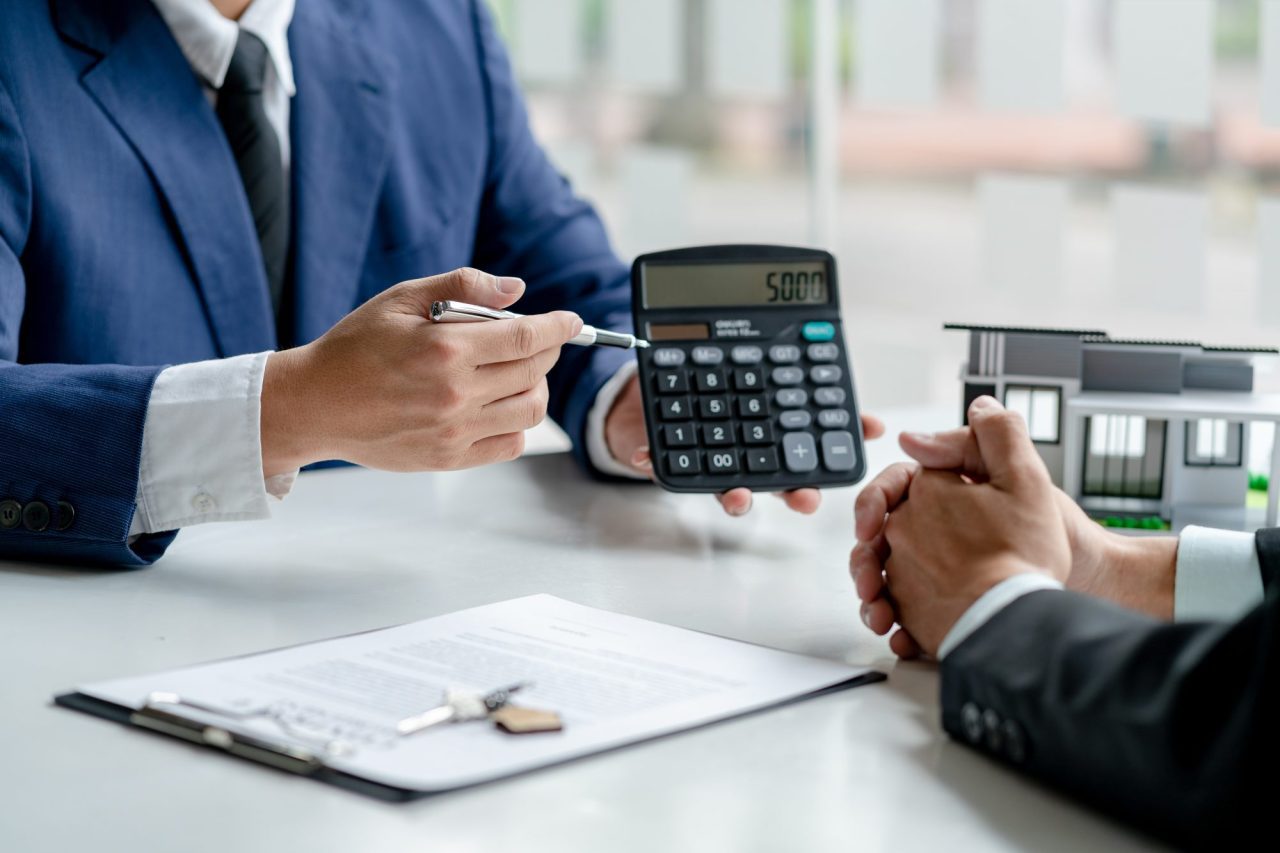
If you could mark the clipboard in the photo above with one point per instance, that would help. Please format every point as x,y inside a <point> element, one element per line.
<point>198,722</point>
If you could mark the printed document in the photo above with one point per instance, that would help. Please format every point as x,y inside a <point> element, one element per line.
<point>612,679</point>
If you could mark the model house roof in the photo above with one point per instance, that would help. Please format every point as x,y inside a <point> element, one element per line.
<point>1025,330</point>
<point>1097,336</point>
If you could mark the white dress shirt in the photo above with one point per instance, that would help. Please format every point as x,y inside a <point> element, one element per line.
<point>1218,577</point>
<point>201,442</point>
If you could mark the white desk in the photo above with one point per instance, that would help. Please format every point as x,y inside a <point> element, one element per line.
<point>867,769</point>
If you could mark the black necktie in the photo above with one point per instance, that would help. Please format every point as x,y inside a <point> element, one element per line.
<point>257,151</point>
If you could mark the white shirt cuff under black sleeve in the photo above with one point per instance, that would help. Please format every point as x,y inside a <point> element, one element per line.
<point>202,447</point>
<point>992,602</point>
<point>1218,575</point>
<point>597,447</point>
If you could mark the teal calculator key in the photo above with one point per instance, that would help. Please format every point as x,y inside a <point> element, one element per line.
<point>818,331</point>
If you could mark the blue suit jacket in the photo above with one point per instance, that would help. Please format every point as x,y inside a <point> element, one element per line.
<point>126,242</point>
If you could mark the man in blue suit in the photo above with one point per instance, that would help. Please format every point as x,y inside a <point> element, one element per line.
<point>203,207</point>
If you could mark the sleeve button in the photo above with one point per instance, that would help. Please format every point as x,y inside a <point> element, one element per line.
<point>35,516</point>
<point>995,737</point>
<point>10,514</point>
<point>1015,743</point>
<point>971,719</point>
<point>204,502</point>
<point>66,516</point>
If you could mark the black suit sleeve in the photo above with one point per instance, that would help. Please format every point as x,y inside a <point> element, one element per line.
<point>1169,727</point>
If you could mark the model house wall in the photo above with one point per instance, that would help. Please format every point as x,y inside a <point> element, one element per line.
<point>1100,413</point>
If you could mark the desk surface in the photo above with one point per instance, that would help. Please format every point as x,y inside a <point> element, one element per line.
<point>351,550</point>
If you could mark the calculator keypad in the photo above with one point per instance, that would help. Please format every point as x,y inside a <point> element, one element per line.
<point>752,409</point>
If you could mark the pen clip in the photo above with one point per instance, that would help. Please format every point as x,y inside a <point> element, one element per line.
<point>452,311</point>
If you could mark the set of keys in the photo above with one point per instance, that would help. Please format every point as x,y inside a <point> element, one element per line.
<point>462,706</point>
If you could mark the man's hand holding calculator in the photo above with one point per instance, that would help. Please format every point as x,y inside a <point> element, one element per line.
<point>746,384</point>
<point>628,442</point>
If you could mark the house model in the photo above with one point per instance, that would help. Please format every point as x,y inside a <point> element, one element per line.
<point>1151,434</point>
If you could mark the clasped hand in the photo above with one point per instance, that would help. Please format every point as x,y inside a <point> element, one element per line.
<point>977,507</point>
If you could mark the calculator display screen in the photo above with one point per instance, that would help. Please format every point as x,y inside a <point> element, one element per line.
<point>715,284</point>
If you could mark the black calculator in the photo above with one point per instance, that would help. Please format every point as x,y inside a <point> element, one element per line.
<point>746,381</point>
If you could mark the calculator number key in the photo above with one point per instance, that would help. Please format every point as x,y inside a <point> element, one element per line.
<point>713,408</point>
<point>800,451</point>
<point>672,382</point>
<point>717,434</point>
<point>748,379</point>
<point>757,433</point>
<point>753,406</point>
<point>762,460</point>
<point>710,381</point>
<point>837,451</point>
<point>679,435</point>
<point>675,408</point>
<point>683,462</point>
<point>722,462</point>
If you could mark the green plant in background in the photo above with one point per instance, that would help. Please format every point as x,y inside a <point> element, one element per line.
<point>1259,482</point>
<point>1150,522</point>
<point>1236,27</point>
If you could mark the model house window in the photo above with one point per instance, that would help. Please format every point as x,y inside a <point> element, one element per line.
<point>1214,442</point>
<point>1118,436</point>
<point>1040,406</point>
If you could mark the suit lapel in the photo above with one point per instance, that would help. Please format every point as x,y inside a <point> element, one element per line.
<point>340,119</point>
<point>144,83</point>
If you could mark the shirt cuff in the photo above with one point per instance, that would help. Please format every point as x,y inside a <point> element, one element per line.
<point>1218,575</point>
<point>202,447</point>
<point>992,602</point>
<point>597,447</point>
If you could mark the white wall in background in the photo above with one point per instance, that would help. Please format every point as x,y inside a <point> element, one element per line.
<point>897,52</point>
<point>1160,247</point>
<point>1164,59</point>
<point>1269,261</point>
<point>1269,50</point>
<point>1020,59</point>
<point>644,44</point>
<point>748,48</point>
<point>546,40</point>
<point>655,198</point>
<point>1024,220</point>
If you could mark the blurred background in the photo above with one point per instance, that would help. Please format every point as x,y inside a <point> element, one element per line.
<point>1094,163</point>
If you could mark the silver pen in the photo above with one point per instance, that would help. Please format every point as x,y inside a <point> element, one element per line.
<point>452,311</point>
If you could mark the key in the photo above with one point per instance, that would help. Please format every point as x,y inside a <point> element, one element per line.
<point>679,435</point>
<point>672,382</point>
<point>515,720</point>
<point>674,408</point>
<point>758,433</point>
<point>459,706</point>
<point>717,434</point>
<point>722,462</point>
<point>710,381</point>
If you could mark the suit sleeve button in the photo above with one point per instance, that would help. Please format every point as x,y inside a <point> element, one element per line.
<point>10,514</point>
<point>204,503</point>
<point>971,719</point>
<point>66,516</point>
<point>1015,742</point>
<point>995,735</point>
<point>35,516</point>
